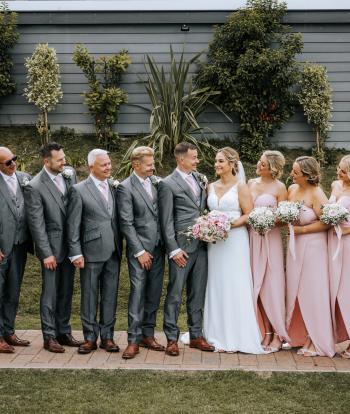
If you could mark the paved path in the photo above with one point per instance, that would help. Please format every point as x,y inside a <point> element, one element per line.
<point>189,359</point>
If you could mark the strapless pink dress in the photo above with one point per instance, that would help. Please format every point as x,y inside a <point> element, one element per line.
<point>308,292</point>
<point>266,253</point>
<point>339,270</point>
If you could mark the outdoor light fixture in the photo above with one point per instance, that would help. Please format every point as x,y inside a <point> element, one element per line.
<point>185,28</point>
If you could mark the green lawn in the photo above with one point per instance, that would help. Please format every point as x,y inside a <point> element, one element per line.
<point>156,392</point>
<point>25,143</point>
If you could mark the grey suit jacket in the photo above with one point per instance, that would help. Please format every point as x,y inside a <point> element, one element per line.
<point>47,210</point>
<point>92,231</point>
<point>9,221</point>
<point>138,215</point>
<point>178,210</point>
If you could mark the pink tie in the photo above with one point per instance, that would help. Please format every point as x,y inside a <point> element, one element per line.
<point>190,180</point>
<point>148,188</point>
<point>104,190</point>
<point>59,183</point>
<point>12,183</point>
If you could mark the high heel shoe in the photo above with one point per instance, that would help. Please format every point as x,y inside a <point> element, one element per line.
<point>271,349</point>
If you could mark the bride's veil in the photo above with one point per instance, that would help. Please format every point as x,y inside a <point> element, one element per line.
<point>241,173</point>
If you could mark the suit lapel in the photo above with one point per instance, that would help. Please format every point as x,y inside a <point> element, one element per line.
<point>55,192</point>
<point>182,183</point>
<point>203,192</point>
<point>136,183</point>
<point>6,193</point>
<point>97,195</point>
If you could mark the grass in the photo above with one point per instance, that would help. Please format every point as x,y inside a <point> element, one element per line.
<point>25,143</point>
<point>138,391</point>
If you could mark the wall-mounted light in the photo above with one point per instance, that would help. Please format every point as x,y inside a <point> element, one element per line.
<point>185,28</point>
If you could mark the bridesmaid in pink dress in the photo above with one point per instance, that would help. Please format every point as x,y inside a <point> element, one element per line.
<point>339,260</point>
<point>267,254</point>
<point>309,321</point>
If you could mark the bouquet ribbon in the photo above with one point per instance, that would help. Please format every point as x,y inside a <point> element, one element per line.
<point>291,240</point>
<point>339,233</point>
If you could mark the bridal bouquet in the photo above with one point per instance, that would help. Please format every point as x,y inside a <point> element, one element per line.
<point>262,219</point>
<point>210,227</point>
<point>288,211</point>
<point>334,214</point>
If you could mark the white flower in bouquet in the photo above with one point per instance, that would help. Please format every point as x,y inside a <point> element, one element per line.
<point>334,214</point>
<point>288,211</point>
<point>210,227</point>
<point>262,219</point>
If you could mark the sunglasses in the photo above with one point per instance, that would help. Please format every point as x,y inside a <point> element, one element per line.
<point>9,162</point>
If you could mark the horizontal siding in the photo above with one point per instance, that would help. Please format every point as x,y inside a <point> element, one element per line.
<point>327,44</point>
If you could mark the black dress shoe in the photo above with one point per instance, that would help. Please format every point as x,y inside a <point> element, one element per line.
<point>68,340</point>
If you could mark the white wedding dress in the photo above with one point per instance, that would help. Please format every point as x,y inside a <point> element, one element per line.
<point>230,322</point>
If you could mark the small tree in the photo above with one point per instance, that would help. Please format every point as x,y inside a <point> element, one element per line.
<point>44,88</point>
<point>252,62</point>
<point>8,39</point>
<point>176,106</point>
<point>105,96</point>
<point>316,98</point>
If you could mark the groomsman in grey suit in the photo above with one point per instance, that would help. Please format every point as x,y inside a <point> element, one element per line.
<point>139,222</point>
<point>15,242</point>
<point>182,198</point>
<point>46,204</point>
<point>95,247</point>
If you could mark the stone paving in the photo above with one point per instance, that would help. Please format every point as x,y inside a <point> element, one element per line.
<point>189,359</point>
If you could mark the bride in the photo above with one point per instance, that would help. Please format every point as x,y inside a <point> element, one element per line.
<point>230,322</point>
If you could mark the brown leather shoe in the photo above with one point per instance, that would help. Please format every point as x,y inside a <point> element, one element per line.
<point>5,348</point>
<point>131,351</point>
<point>202,344</point>
<point>151,343</point>
<point>15,341</point>
<point>109,345</point>
<point>52,345</point>
<point>87,347</point>
<point>172,348</point>
<point>68,340</point>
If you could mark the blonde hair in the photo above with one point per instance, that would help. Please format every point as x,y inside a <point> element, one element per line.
<point>276,162</point>
<point>232,157</point>
<point>346,161</point>
<point>139,152</point>
<point>310,167</point>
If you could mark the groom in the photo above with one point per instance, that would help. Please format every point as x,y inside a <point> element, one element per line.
<point>182,198</point>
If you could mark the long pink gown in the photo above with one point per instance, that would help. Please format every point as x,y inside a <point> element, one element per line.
<point>339,269</point>
<point>308,293</point>
<point>266,253</point>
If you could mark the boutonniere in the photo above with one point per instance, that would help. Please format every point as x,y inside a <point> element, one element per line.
<point>203,181</point>
<point>114,183</point>
<point>155,180</point>
<point>67,173</point>
<point>25,182</point>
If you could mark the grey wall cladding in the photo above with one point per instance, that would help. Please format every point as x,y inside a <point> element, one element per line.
<point>325,43</point>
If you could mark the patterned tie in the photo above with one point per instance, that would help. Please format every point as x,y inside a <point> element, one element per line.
<point>192,183</point>
<point>12,183</point>
<point>104,190</point>
<point>148,187</point>
<point>58,180</point>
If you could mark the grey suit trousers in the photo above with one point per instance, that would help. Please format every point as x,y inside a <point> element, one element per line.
<point>99,287</point>
<point>11,276</point>
<point>56,299</point>
<point>194,276</point>
<point>145,293</point>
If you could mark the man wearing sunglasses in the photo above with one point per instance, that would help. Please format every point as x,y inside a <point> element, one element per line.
<point>15,242</point>
<point>46,202</point>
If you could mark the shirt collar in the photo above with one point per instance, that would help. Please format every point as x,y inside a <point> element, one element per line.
<point>7,177</point>
<point>52,176</point>
<point>183,174</point>
<point>96,181</point>
<point>142,180</point>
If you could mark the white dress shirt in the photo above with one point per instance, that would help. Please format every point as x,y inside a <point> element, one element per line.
<point>8,178</point>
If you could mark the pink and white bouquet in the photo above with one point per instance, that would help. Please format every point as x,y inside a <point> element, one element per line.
<point>288,212</point>
<point>334,214</point>
<point>262,219</point>
<point>210,227</point>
